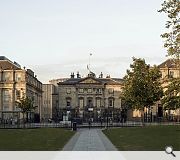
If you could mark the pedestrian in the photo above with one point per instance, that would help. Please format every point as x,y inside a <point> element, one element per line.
<point>89,123</point>
<point>101,122</point>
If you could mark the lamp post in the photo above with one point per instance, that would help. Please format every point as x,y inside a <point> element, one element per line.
<point>107,117</point>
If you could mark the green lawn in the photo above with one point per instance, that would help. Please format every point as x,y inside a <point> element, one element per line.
<point>41,139</point>
<point>152,138</point>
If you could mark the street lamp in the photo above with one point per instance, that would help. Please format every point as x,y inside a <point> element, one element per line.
<point>107,116</point>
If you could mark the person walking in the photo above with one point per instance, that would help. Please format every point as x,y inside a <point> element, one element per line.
<point>89,122</point>
<point>101,121</point>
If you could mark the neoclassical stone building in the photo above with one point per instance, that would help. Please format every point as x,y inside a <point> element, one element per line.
<point>16,82</point>
<point>90,97</point>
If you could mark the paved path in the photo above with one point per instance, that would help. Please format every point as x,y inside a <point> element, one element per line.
<point>89,140</point>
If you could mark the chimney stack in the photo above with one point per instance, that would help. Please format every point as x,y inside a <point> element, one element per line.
<point>72,75</point>
<point>108,76</point>
<point>101,75</point>
<point>78,75</point>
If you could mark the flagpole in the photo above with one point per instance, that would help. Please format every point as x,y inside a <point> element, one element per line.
<point>90,62</point>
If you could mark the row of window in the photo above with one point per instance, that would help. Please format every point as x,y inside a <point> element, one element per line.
<point>8,93</point>
<point>7,76</point>
<point>171,74</point>
<point>90,90</point>
<point>6,107</point>
<point>90,102</point>
<point>34,81</point>
<point>83,90</point>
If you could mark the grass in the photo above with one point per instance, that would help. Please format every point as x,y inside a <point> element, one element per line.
<point>151,138</point>
<point>41,139</point>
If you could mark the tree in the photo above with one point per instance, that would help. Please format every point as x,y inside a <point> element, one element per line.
<point>172,43</point>
<point>26,105</point>
<point>171,99</point>
<point>172,36</point>
<point>142,87</point>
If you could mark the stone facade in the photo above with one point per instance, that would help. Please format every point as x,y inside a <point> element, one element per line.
<point>169,69</point>
<point>90,97</point>
<point>55,98</point>
<point>16,83</point>
<point>47,103</point>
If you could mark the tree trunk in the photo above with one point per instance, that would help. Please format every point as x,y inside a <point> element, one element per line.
<point>23,121</point>
<point>27,117</point>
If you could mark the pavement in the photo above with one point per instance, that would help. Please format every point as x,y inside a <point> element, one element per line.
<point>89,140</point>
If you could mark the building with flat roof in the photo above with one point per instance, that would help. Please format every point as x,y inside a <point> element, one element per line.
<point>49,102</point>
<point>15,83</point>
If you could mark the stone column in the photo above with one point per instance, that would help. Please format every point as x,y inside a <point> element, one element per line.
<point>85,101</point>
<point>94,101</point>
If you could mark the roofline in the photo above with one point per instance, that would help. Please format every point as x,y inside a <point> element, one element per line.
<point>169,59</point>
<point>8,60</point>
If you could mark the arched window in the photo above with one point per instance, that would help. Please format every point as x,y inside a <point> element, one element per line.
<point>68,102</point>
<point>111,102</point>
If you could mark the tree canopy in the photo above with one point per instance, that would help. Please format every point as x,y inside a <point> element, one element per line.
<point>142,86</point>
<point>171,99</point>
<point>171,8</point>
<point>26,104</point>
<point>172,36</point>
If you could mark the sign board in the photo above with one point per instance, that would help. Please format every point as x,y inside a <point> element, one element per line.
<point>90,109</point>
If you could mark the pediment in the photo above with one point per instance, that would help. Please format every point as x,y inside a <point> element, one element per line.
<point>89,81</point>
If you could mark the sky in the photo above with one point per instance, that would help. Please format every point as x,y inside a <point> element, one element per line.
<point>56,37</point>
